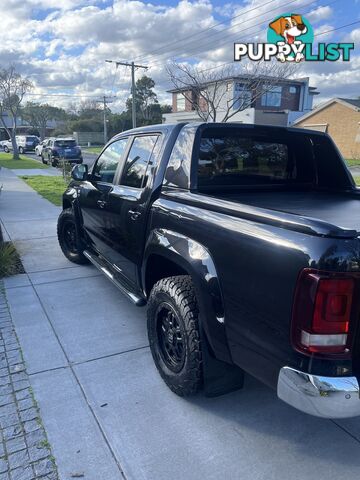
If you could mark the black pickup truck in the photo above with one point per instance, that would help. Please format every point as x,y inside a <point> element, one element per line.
<point>244,243</point>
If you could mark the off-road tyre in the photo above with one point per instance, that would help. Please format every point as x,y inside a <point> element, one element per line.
<point>175,296</point>
<point>69,242</point>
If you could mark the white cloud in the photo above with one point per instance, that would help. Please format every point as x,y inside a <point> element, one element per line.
<point>67,49</point>
<point>319,14</point>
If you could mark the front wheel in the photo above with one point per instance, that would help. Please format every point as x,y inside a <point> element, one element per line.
<point>21,150</point>
<point>70,244</point>
<point>174,336</point>
<point>6,149</point>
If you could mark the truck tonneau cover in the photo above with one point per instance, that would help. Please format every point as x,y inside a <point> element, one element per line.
<point>342,210</point>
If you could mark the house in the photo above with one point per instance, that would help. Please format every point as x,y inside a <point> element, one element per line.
<point>23,127</point>
<point>282,105</point>
<point>340,117</point>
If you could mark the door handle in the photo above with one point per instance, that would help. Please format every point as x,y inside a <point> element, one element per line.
<point>101,203</point>
<point>134,214</point>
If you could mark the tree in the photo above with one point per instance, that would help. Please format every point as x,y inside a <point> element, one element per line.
<point>38,115</point>
<point>13,87</point>
<point>148,110</point>
<point>207,92</point>
<point>166,108</point>
<point>90,109</point>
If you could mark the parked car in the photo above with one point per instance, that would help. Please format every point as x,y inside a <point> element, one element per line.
<point>41,145</point>
<point>3,143</point>
<point>6,145</point>
<point>244,243</point>
<point>59,149</point>
<point>25,143</point>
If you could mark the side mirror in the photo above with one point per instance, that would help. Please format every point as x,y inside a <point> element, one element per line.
<point>79,172</point>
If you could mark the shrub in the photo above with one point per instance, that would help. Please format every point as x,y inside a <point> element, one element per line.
<point>10,262</point>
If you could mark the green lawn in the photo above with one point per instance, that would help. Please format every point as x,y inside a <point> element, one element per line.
<point>352,162</point>
<point>6,161</point>
<point>96,150</point>
<point>50,188</point>
<point>357,181</point>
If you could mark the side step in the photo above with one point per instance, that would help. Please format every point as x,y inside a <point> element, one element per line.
<point>96,261</point>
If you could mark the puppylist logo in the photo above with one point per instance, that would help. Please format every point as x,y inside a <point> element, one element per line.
<point>290,38</point>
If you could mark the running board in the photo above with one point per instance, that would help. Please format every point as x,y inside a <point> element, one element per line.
<point>94,259</point>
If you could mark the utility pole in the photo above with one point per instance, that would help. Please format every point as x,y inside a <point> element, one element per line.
<point>133,87</point>
<point>105,124</point>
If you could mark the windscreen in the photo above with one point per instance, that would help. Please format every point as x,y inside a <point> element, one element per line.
<point>235,157</point>
<point>65,143</point>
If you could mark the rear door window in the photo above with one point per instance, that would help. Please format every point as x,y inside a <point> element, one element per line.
<point>135,169</point>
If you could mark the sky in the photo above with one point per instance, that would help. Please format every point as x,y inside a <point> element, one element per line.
<point>62,45</point>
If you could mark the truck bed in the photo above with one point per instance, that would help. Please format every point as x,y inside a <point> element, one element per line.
<point>342,210</point>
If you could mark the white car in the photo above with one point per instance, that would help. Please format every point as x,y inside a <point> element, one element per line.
<point>41,145</point>
<point>25,143</point>
<point>6,145</point>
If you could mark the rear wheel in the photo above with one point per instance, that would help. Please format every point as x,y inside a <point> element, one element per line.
<point>6,149</point>
<point>43,159</point>
<point>174,336</point>
<point>70,244</point>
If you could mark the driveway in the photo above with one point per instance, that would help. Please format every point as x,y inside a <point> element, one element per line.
<point>107,413</point>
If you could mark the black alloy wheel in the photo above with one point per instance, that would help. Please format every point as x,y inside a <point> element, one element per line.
<point>170,337</point>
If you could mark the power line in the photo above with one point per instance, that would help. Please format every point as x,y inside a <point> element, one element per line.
<point>133,87</point>
<point>77,95</point>
<point>242,12</point>
<point>216,41</point>
<point>316,35</point>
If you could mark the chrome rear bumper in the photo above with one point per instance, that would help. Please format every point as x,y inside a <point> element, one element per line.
<point>327,397</point>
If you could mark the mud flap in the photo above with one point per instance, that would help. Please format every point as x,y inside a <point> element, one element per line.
<point>219,377</point>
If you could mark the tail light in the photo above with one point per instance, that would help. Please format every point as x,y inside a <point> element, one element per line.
<point>322,313</point>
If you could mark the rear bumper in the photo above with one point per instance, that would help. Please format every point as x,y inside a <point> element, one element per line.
<point>327,397</point>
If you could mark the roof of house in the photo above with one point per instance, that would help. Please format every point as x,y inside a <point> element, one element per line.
<point>353,101</point>
<point>347,102</point>
<point>245,77</point>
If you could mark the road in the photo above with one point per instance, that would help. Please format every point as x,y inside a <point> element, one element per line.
<point>89,158</point>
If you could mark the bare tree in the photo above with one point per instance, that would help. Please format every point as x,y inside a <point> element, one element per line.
<point>13,87</point>
<point>207,92</point>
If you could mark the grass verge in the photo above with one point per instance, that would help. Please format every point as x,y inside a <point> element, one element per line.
<point>352,162</point>
<point>96,150</point>
<point>51,188</point>
<point>10,263</point>
<point>357,181</point>
<point>7,161</point>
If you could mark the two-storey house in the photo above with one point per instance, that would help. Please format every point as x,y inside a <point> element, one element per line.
<point>281,104</point>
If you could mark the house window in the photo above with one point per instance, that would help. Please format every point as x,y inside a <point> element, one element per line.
<point>242,97</point>
<point>180,102</point>
<point>272,98</point>
<point>293,89</point>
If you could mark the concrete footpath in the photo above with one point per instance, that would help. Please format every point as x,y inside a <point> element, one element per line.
<point>107,413</point>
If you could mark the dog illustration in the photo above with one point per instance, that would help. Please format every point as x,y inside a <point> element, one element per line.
<point>290,28</point>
